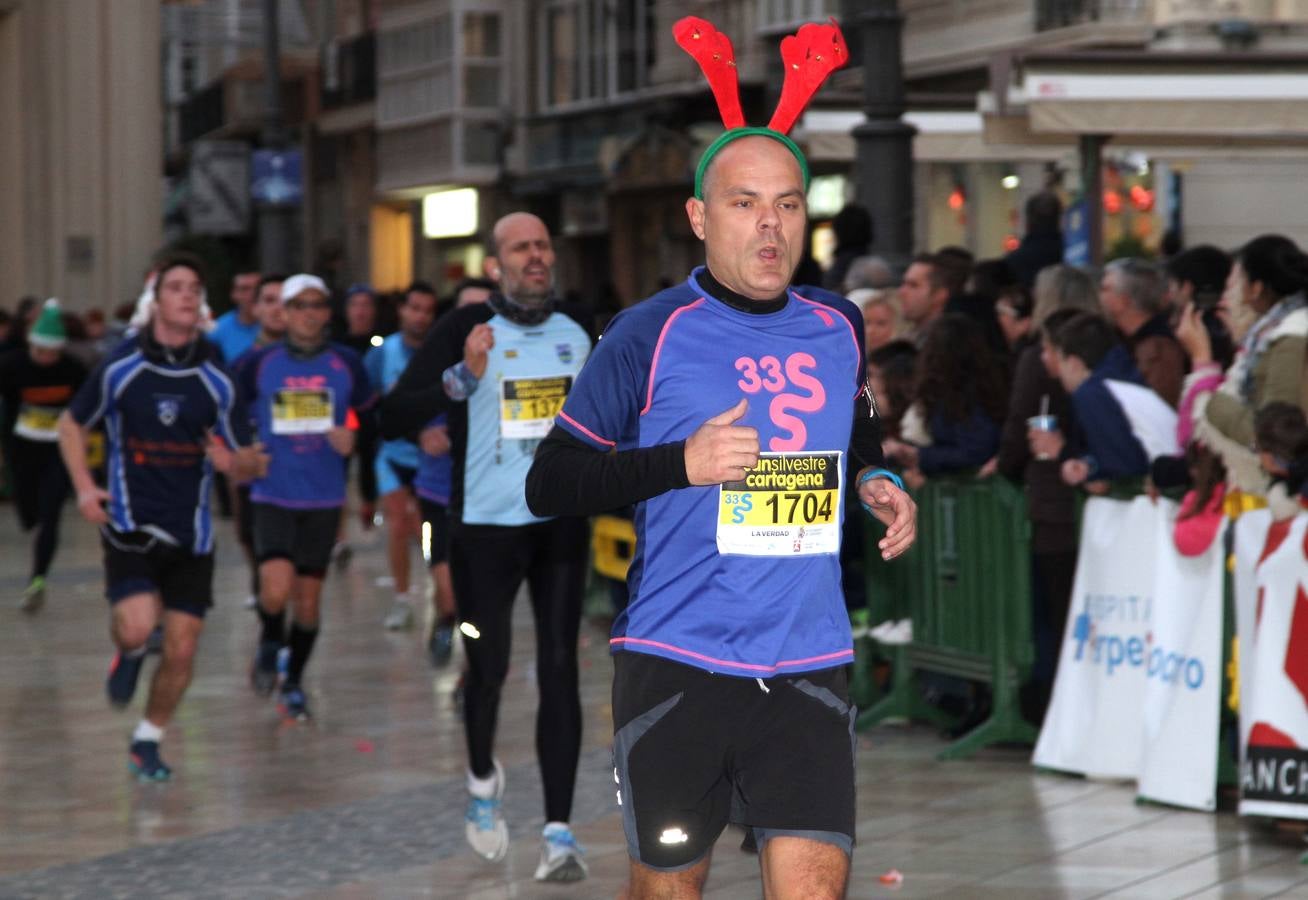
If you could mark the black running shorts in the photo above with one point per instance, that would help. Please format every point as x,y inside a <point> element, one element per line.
<point>136,562</point>
<point>303,536</point>
<point>436,531</point>
<point>693,751</point>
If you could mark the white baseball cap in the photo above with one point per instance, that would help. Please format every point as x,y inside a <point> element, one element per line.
<point>298,284</point>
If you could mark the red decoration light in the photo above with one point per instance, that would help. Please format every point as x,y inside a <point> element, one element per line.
<point>1142,198</point>
<point>1011,243</point>
<point>957,199</point>
<point>1112,202</point>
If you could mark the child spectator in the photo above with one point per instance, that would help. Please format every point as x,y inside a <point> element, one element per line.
<point>1118,424</point>
<point>1281,435</point>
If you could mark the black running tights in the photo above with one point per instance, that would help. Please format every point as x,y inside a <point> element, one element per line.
<point>488,565</point>
<point>40,488</point>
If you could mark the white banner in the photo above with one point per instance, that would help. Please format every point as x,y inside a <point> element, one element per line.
<point>1182,716</point>
<point>1274,698</point>
<point>1093,725</point>
<point>1139,676</point>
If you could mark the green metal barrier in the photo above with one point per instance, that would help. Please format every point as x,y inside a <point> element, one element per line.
<point>966,584</point>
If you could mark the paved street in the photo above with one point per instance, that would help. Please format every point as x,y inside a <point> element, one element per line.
<point>368,800</point>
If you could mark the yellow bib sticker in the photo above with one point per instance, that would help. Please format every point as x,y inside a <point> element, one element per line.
<point>528,405</point>
<point>38,423</point>
<point>302,411</point>
<point>787,505</point>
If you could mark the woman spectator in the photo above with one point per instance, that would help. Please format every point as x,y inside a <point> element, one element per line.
<point>890,372</point>
<point>881,319</point>
<point>1013,307</point>
<point>1266,285</point>
<point>953,424</point>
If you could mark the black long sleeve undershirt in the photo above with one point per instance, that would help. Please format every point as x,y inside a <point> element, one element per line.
<point>571,478</point>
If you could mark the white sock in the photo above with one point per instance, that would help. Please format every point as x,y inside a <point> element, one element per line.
<point>403,597</point>
<point>134,654</point>
<point>482,788</point>
<point>147,731</point>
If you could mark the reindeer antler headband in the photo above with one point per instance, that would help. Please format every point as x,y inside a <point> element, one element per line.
<point>810,55</point>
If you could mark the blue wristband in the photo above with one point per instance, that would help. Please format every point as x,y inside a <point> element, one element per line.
<point>878,473</point>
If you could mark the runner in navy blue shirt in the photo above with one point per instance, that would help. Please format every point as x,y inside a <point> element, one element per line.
<point>724,408</point>
<point>299,392</point>
<point>171,418</point>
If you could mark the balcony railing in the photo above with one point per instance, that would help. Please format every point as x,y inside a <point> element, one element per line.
<point>1050,14</point>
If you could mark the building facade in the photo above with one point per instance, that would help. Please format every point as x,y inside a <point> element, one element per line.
<point>80,213</point>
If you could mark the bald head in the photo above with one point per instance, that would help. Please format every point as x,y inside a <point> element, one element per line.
<point>522,258</point>
<point>752,217</point>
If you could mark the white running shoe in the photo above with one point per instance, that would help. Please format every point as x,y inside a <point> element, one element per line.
<point>484,825</point>
<point>400,618</point>
<point>560,855</point>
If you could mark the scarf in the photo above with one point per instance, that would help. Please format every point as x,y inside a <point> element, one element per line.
<point>1259,339</point>
<point>521,313</point>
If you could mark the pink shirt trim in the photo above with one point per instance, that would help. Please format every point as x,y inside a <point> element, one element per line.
<point>658,349</point>
<point>586,431</point>
<point>752,667</point>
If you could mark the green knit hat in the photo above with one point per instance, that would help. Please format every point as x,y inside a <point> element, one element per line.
<point>48,330</point>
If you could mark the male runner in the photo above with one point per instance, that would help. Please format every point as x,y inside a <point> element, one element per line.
<point>397,460</point>
<point>237,329</point>
<point>299,391</point>
<point>272,327</point>
<point>171,419</point>
<point>359,333</point>
<point>36,385</point>
<point>730,401</point>
<point>432,486</point>
<point>500,369</point>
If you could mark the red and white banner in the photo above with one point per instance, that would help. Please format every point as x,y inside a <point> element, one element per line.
<point>1274,672</point>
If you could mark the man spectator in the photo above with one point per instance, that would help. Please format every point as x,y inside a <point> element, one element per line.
<point>236,329</point>
<point>1042,245</point>
<point>853,229</point>
<point>869,272</point>
<point>1131,295</point>
<point>923,295</point>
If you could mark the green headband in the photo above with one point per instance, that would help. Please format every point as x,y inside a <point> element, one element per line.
<point>735,134</point>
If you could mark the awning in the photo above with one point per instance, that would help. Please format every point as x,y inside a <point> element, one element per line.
<point>942,136</point>
<point>1196,103</point>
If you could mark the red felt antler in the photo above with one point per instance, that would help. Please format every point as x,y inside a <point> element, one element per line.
<point>712,50</point>
<point>809,56</point>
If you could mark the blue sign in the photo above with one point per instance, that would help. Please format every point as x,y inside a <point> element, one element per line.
<point>1076,235</point>
<point>276,177</point>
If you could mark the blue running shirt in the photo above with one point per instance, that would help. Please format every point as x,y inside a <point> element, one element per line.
<point>528,373</point>
<point>294,401</point>
<point>435,473</point>
<point>385,364</point>
<point>157,419</point>
<point>742,579</point>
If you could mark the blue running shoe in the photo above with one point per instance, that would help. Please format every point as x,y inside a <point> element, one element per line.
<point>263,674</point>
<point>124,672</point>
<point>561,857</point>
<point>441,645</point>
<point>484,825</point>
<point>145,763</point>
<point>293,704</point>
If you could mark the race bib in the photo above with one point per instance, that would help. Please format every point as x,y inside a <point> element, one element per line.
<point>302,411</point>
<point>528,405</point>
<point>38,423</point>
<point>787,505</point>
